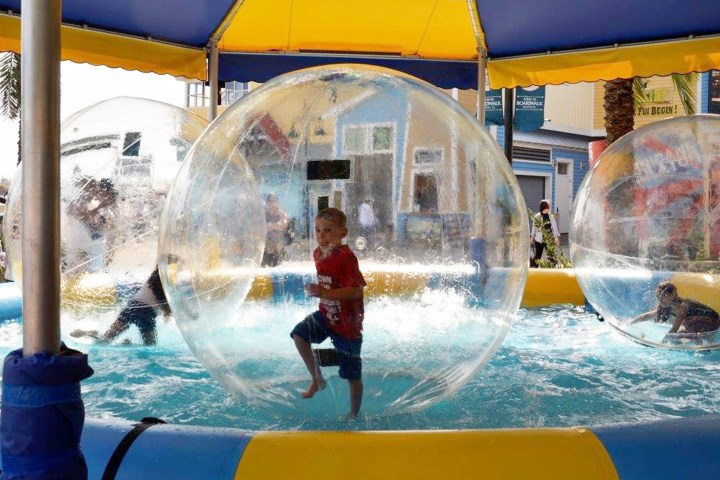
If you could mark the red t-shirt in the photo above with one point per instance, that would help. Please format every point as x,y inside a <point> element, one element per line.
<point>340,269</point>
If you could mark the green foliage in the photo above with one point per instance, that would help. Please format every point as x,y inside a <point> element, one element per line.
<point>685,86</point>
<point>640,93</point>
<point>10,85</point>
<point>555,257</point>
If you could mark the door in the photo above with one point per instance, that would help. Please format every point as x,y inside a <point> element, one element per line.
<point>564,193</point>
<point>533,190</point>
<point>319,197</point>
<point>373,176</point>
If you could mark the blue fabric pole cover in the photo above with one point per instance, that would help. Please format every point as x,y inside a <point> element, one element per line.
<point>42,416</point>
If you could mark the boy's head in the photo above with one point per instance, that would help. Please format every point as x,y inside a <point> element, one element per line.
<point>666,293</point>
<point>330,227</point>
<point>271,198</point>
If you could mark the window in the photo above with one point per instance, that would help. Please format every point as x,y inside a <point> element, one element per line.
<point>233,92</point>
<point>369,139</point>
<point>425,181</point>
<point>131,144</point>
<point>425,193</point>
<point>382,138</point>
<point>534,154</point>
<point>197,95</point>
<point>562,169</point>
<point>355,139</point>
<point>427,157</point>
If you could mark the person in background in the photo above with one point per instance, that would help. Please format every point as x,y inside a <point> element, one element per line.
<point>341,308</point>
<point>90,221</point>
<point>368,222</point>
<point>277,223</point>
<point>536,235</point>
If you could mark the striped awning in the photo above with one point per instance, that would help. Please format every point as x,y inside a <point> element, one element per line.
<point>527,42</point>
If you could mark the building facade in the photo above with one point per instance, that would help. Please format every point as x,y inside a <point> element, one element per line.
<point>549,163</point>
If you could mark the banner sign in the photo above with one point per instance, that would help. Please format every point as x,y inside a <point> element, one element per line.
<point>493,108</point>
<point>529,108</point>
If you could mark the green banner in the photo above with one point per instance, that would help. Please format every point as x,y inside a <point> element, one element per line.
<point>493,108</point>
<point>529,108</point>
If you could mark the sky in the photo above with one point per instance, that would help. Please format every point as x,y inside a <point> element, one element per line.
<point>82,85</point>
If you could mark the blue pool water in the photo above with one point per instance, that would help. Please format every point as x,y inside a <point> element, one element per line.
<point>557,367</point>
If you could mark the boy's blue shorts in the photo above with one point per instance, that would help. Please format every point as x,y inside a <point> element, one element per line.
<point>313,330</point>
<point>142,315</point>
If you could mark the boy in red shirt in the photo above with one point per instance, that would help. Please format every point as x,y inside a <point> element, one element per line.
<point>340,313</point>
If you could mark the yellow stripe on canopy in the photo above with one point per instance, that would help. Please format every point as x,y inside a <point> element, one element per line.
<point>698,55</point>
<point>98,48</point>
<point>429,28</point>
<point>10,36</point>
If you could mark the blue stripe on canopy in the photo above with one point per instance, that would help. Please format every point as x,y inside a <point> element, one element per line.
<point>521,27</point>
<point>262,67</point>
<point>184,22</point>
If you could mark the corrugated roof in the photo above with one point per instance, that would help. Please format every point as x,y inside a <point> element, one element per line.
<point>553,139</point>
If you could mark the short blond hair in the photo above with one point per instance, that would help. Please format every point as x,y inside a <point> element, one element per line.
<point>333,215</point>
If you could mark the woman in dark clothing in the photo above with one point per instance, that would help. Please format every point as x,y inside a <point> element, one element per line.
<point>536,235</point>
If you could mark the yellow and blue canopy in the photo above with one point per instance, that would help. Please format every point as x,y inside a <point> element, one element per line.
<point>527,42</point>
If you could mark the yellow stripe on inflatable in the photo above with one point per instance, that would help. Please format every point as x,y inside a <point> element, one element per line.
<point>551,286</point>
<point>701,287</point>
<point>544,287</point>
<point>538,454</point>
<point>394,284</point>
<point>88,290</point>
<point>261,289</point>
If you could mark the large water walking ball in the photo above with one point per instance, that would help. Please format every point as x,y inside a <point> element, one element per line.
<point>433,213</point>
<point>648,213</point>
<point>117,161</point>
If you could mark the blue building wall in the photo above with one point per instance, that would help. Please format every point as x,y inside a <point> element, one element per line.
<point>704,99</point>
<point>390,107</point>
<point>520,167</point>
<point>581,165</point>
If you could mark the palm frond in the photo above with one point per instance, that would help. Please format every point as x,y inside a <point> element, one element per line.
<point>685,86</point>
<point>10,85</point>
<point>640,93</point>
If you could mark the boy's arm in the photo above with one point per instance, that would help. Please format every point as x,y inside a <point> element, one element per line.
<point>643,317</point>
<point>679,317</point>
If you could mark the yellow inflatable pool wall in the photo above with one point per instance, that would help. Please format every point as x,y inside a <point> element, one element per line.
<point>544,287</point>
<point>701,287</point>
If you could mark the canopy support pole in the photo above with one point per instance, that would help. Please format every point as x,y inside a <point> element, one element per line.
<point>42,408</point>
<point>482,70</point>
<point>213,79</point>
<point>40,123</point>
<point>509,104</point>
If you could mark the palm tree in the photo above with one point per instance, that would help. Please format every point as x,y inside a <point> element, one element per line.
<point>622,96</point>
<point>10,88</point>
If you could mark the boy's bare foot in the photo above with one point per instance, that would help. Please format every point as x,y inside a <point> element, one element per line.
<point>314,387</point>
<point>85,333</point>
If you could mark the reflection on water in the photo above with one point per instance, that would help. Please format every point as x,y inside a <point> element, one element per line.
<point>556,367</point>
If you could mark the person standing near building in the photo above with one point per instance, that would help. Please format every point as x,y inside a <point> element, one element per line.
<point>549,226</point>
<point>277,222</point>
<point>368,221</point>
